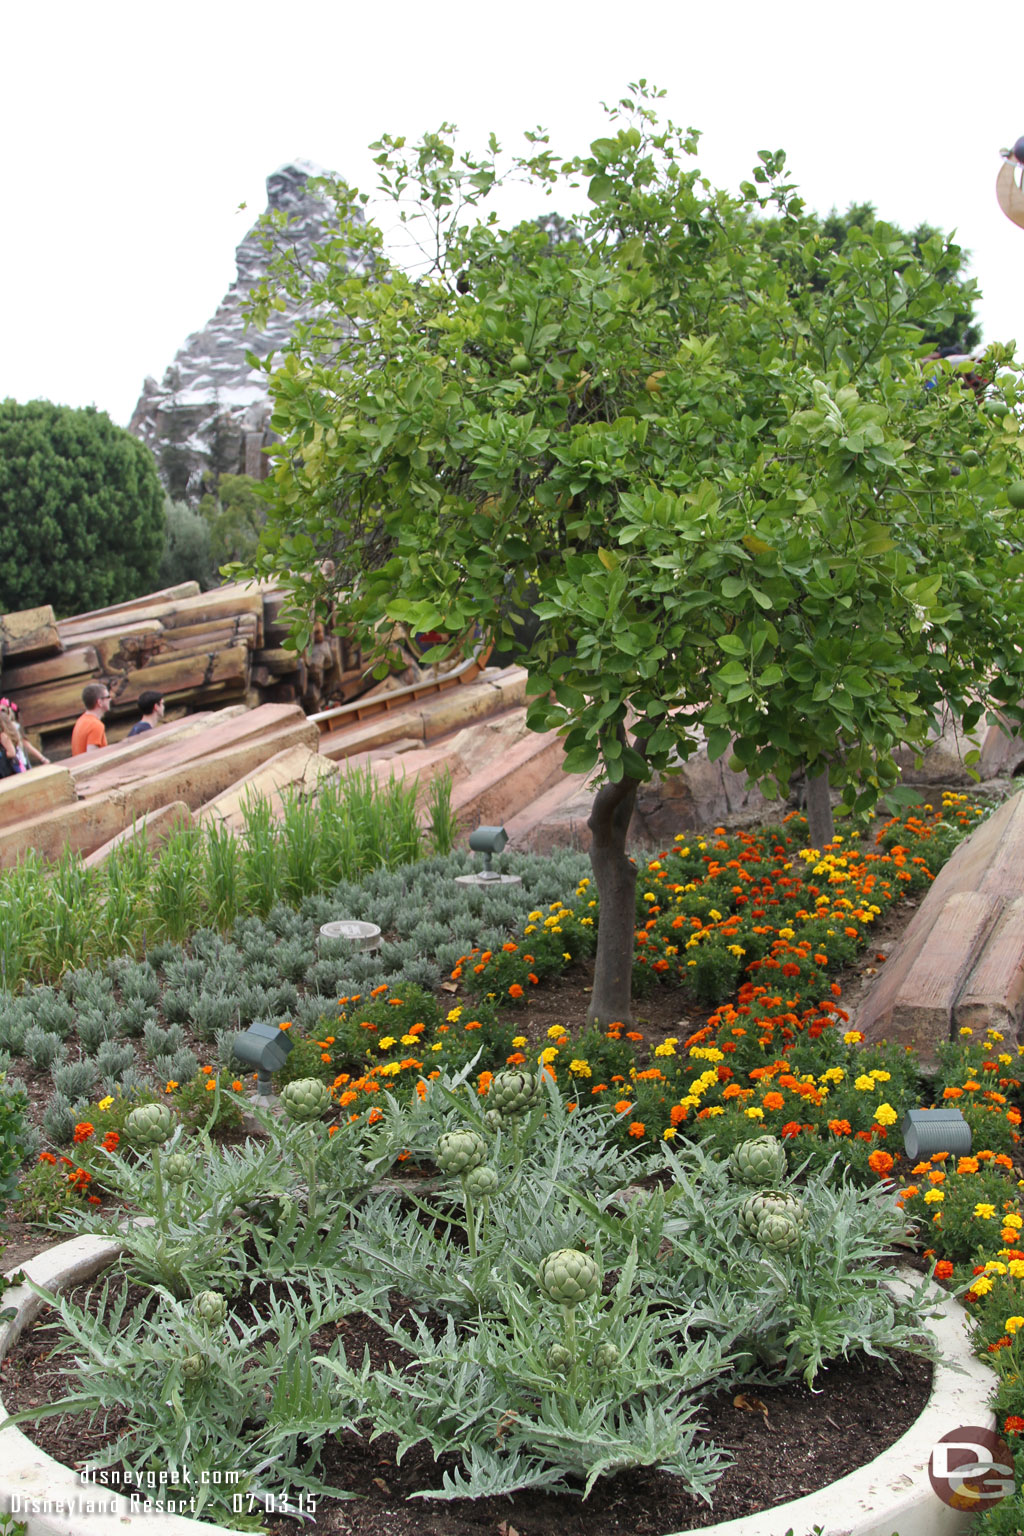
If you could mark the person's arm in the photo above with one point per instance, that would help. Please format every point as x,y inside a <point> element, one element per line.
<point>34,752</point>
<point>8,760</point>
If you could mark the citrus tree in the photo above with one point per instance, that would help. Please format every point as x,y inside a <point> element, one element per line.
<point>697,447</point>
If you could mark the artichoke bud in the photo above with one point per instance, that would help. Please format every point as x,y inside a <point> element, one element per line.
<point>606,1355</point>
<point>569,1276</point>
<point>305,1099</point>
<point>513,1092</point>
<point>559,1358</point>
<point>779,1231</point>
<point>482,1182</point>
<point>193,1367</point>
<point>770,1203</point>
<point>211,1308</point>
<point>494,1119</point>
<point>149,1125</point>
<point>177,1167</point>
<point>759,1161</point>
<point>459,1152</point>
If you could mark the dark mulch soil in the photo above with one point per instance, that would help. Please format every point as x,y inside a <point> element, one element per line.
<point>785,1442</point>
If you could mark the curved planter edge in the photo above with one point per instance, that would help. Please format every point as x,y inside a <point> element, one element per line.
<point>890,1494</point>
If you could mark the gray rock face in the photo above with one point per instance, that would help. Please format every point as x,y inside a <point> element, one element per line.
<point>211,411</point>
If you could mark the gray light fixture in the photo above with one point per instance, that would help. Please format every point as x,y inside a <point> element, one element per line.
<point>488,841</point>
<point>927,1131</point>
<point>356,935</point>
<point>265,1047</point>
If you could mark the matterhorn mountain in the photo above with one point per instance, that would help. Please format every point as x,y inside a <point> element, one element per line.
<point>209,415</point>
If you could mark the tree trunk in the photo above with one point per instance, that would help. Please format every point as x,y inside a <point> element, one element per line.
<point>615,878</point>
<point>820,826</point>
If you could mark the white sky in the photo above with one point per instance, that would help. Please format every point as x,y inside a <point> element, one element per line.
<point>133,131</point>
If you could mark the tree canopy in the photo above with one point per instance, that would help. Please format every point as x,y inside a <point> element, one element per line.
<point>81,509</point>
<point>702,447</point>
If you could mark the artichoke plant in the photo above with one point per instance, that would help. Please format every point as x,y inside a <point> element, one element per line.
<point>606,1355</point>
<point>513,1092</point>
<point>193,1367</point>
<point>569,1276</point>
<point>559,1358</point>
<point>305,1099</point>
<point>459,1152</point>
<point>211,1308</point>
<point>760,1161</point>
<point>149,1125</point>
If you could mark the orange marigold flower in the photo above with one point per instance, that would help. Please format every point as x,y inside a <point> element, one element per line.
<point>515,990</point>
<point>773,1101</point>
<point>952,1093</point>
<point>839,1127</point>
<point>82,1131</point>
<point>286,1025</point>
<point>515,1060</point>
<point>374,1116</point>
<point>238,1085</point>
<point>510,948</point>
<point>633,1035</point>
<point>636,1128</point>
<point>943,1269</point>
<point>47,1157</point>
<point>622,1106</point>
<point>211,1084</point>
<point>110,1141</point>
<point>880,1163</point>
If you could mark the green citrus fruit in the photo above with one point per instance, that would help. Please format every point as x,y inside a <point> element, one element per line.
<point>1015,495</point>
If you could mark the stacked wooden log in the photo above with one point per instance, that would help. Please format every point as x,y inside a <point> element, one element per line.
<point>198,649</point>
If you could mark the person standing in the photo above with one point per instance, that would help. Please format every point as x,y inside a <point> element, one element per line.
<point>89,731</point>
<point>151,708</point>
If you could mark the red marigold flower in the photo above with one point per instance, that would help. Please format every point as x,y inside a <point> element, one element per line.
<point>82,1131</point>
<point>791,1128</point>
<point>110,1141</point>
<point>943,1270</point>
<point>47,1157</point>
<point>1014,1424</point>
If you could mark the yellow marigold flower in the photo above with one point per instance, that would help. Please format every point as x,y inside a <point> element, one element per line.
<point>715,1109</point>
<point>787,933</point>
<point>1016,1269</point>
<point>555,1031</point>
<point>735,949</point>
<point>668,1048</point>
<point>170,1087</point>
<point>437,1046</point>
<point>880,1076</point>
<point>390,1069</point>
<point>707,1053</point>
<point>1012,1324</point>
<point>864,1083</point>
<point>668,1134</point>
<point>967,1030</point>
<point>981,1286</point>
<point>886,1115</point>
<point>518,1041</point>
<point>852,1037</point>
<point>933,1197</point>
<point>833,1075</point>
<point>105,1103</point>
<point>984,1211</point>
<point>753,1113</point>
<point>410,1040</point>
<point>548,1055</point>
<point>1013,1220</point>
<point>993,1267</point>
<point>386,1042</point>
<point>580,1068</point>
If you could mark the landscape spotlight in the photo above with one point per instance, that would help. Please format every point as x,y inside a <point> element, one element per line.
<point>265,1047</point>
<point>927,1131</point>
<point>488,841</point>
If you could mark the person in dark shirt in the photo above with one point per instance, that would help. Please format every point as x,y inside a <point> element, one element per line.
<point>151,707</point>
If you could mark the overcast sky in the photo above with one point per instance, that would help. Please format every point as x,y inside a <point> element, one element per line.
<point>133,133</point>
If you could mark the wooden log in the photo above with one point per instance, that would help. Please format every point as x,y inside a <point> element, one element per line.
<point>154,828</point>
<point>277,661</point>
<point>121,649</point>
<point>223,602</point>
<point>42,789</point>
<point>33,674</point>
<point>86,825</point>
<point>30,634</point>
<point>182,672</point>
<point>993,997</point>
<point>295,770</point>
<point>148,600</point>
<point>88,765</point>
<point>116,768</point>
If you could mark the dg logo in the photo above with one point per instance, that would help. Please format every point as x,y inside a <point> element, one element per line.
<point>971,1469</point>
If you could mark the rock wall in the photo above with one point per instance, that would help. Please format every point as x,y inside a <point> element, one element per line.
<point>210,414</point>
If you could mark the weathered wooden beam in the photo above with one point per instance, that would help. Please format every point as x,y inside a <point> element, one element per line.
<point>42,789</point>
<point>30,633</point>
<point>33,674</point>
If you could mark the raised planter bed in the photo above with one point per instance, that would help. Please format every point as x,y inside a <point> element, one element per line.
<point>889,1494</point>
